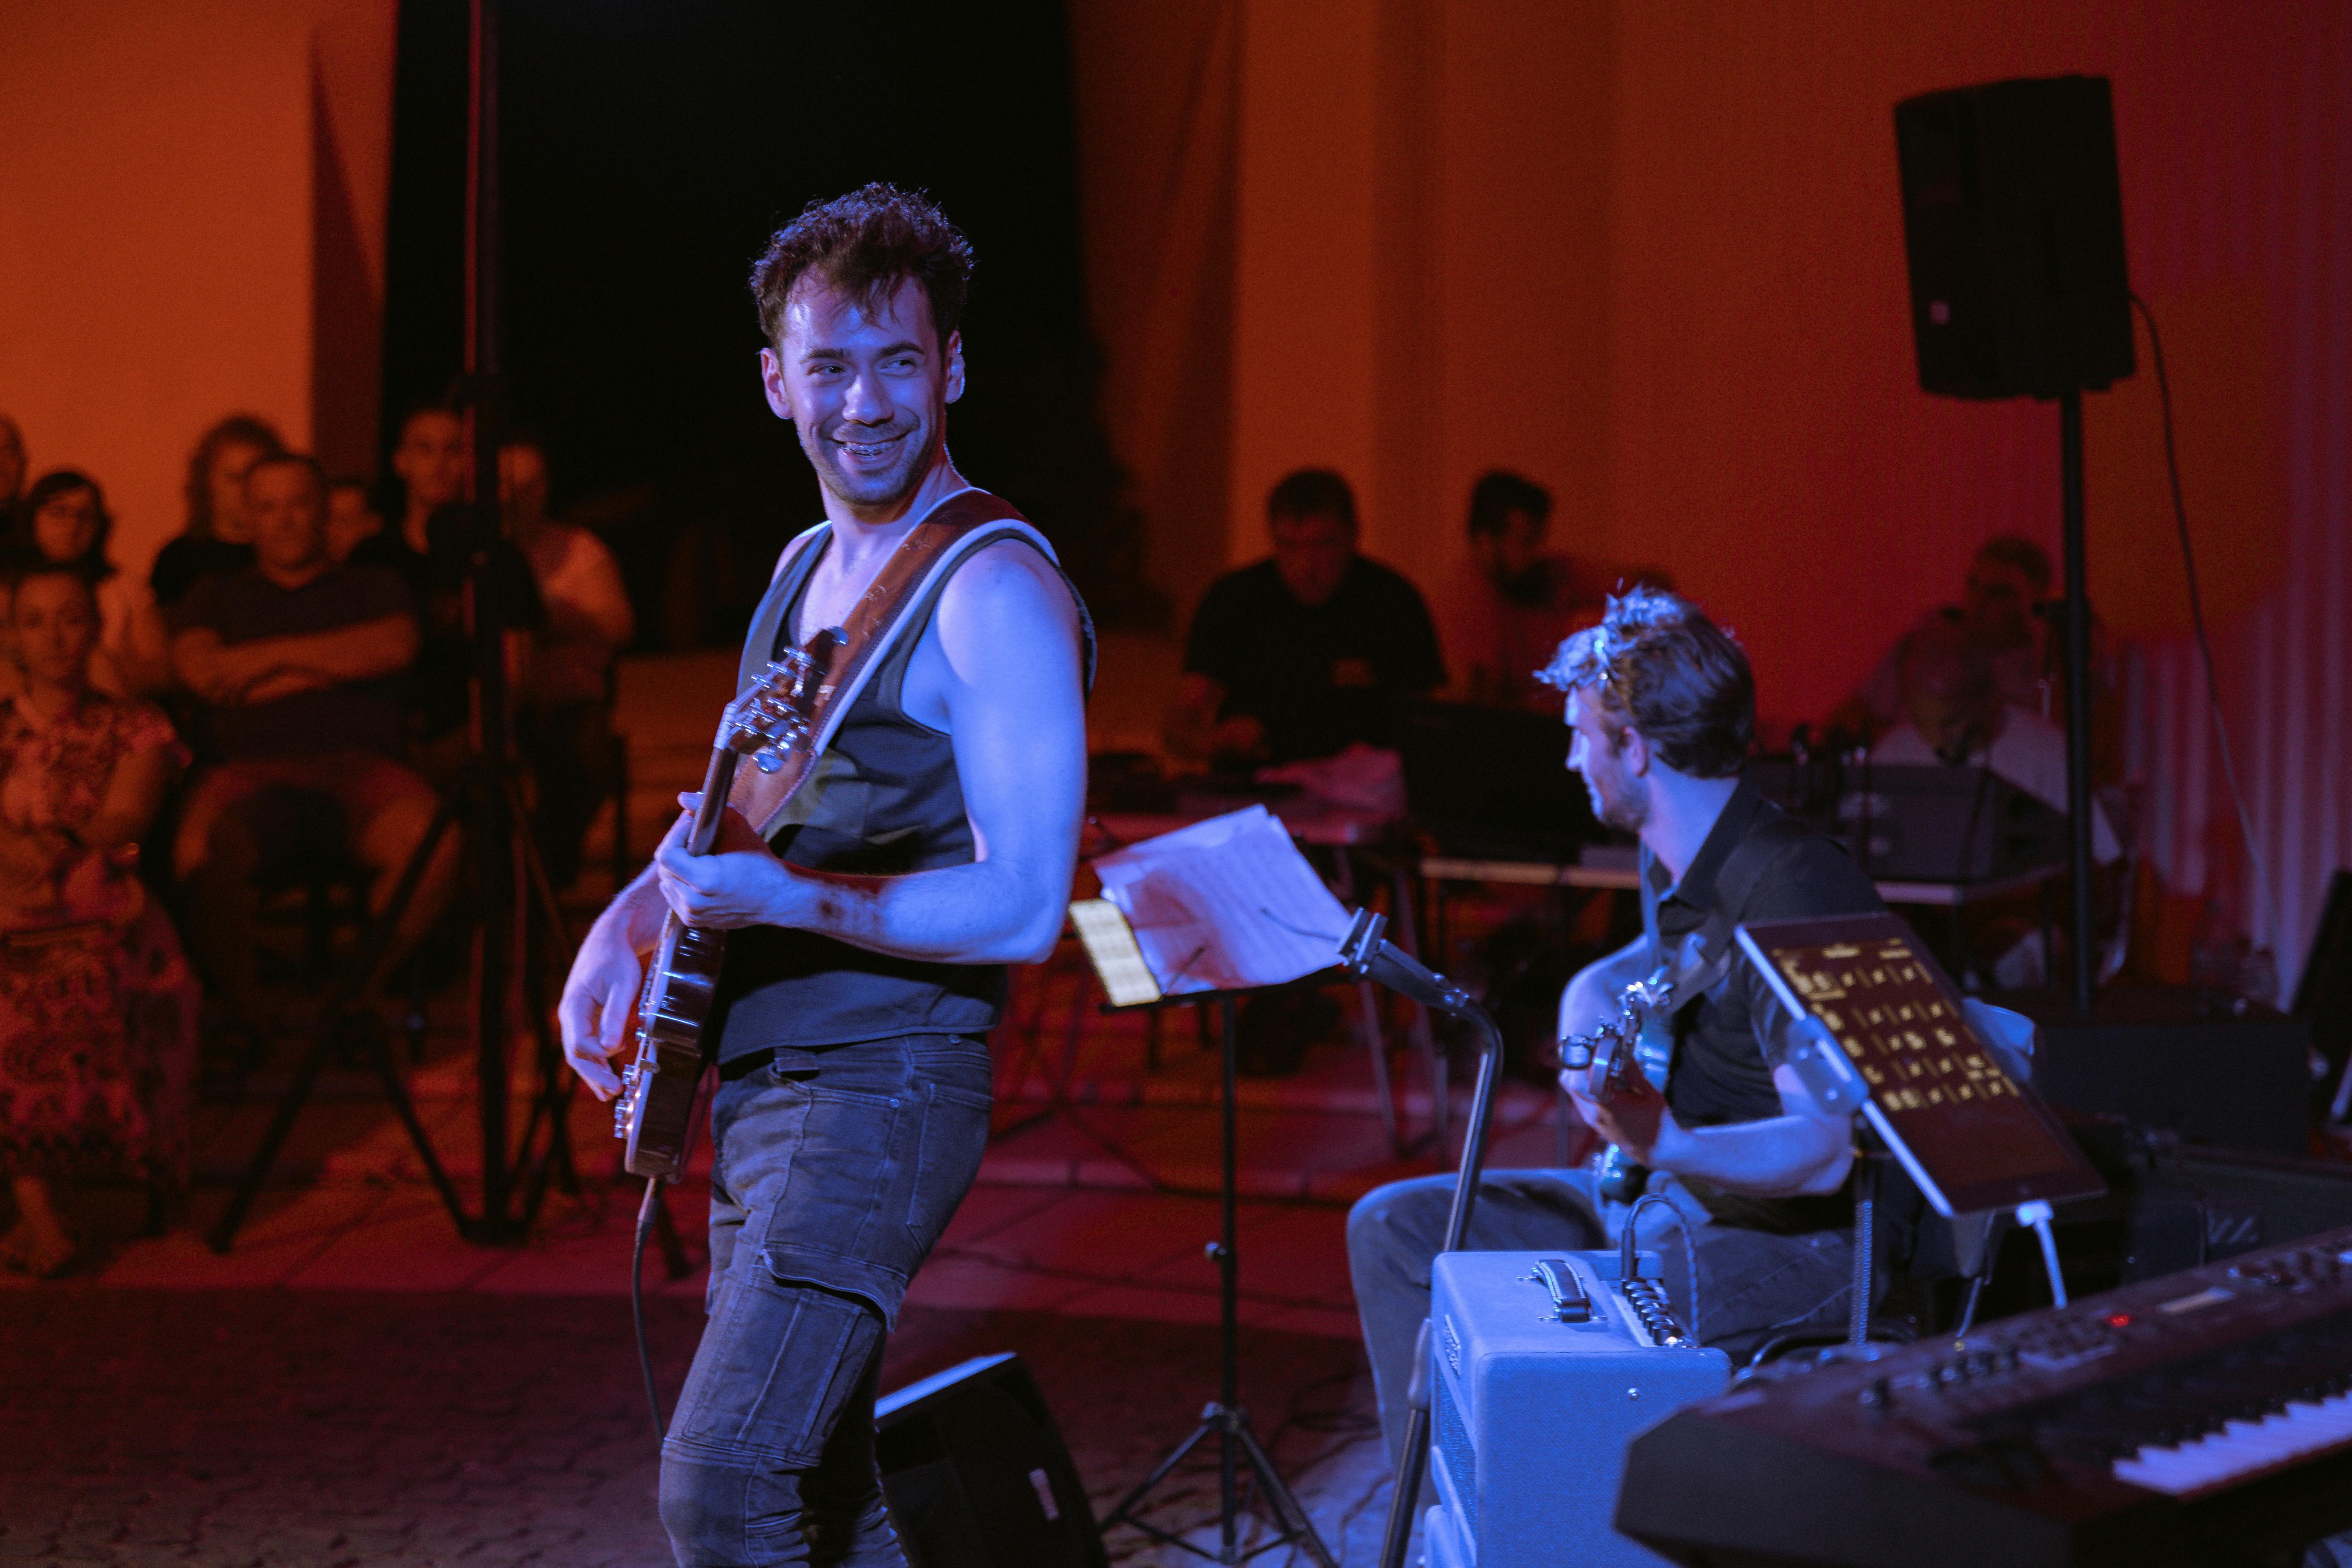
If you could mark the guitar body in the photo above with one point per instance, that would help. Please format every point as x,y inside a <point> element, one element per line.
<point>655,1116</point>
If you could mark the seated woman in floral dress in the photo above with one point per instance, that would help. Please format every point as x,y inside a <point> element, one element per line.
<point>97,1007</point>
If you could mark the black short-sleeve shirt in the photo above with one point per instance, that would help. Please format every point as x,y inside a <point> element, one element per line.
<point>1316,676</point>
<point>246,607</point>
<point>185,560</point>
<point>1730,1041</point>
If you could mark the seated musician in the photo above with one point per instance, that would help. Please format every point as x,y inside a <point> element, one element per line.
<point>1511,600</point>
<point>1309,651</point>
<point>1954,712</point>
<point>1752,1228</point>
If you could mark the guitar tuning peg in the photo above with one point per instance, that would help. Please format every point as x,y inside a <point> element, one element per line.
<point>766,760</point>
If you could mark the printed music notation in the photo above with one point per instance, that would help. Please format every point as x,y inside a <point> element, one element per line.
<point>1885,1007</point>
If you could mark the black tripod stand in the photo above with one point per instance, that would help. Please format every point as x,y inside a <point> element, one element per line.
<point>1225,1419</point>
<point>536,931</point>
<point>509,882</point>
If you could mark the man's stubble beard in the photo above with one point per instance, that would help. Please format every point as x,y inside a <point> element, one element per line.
<point>1627,813</point>
<point>889,488</point>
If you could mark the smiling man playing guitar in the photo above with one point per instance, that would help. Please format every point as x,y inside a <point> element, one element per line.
<point>1741,1166</point>
<point>928,842</point>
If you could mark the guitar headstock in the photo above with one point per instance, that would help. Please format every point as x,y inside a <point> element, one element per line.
<point>775,715</point>
<point>1607,1053</point>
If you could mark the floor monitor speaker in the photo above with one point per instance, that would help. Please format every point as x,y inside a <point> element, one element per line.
<point>2013,220</point>
<point>976,1473</point>
<point>2178,1061</point>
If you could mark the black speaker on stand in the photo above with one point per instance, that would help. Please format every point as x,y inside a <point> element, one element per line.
<point>2014,224</point>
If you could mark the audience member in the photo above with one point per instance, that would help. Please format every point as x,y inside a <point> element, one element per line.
<point>63,522</point>
<point>1307,652</point>
<point>565,717</point>
<point>432,552</point>
<point>1511,603</point>
<point>219,536</point>
<point>351,518</point>
<point>428,469</point>
<point>13,468</point>
<point>97,1017</point>
<point>299,664</point>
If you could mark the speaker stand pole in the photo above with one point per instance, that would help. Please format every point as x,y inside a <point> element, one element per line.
<point>2078,688</point>
<point>1236,1443</point>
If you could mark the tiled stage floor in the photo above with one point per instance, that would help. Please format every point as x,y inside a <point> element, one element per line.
<point>352,1384</point>
<point>1082,1246</point>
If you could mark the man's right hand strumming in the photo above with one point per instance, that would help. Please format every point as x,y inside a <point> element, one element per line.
<point>600,995</point>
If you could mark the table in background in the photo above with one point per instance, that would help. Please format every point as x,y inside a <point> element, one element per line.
<point>1437,870</point>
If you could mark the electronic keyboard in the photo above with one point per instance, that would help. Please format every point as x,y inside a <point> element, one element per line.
<point>2205,1418</point>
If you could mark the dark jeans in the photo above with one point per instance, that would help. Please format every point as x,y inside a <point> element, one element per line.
<point>1751,1283</point>
<point>835,1172</point>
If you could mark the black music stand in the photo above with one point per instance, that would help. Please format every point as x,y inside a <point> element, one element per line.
<point>1224,1417</point>
<point>1884,1037</point>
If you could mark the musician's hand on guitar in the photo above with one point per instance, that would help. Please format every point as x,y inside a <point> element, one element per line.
<point>599,1009</point>
<point>739,883</point>
<point>1574,1079</point>
<point>1635,1117</point>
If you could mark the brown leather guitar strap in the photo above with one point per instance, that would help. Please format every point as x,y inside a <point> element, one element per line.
<point>872,625</point>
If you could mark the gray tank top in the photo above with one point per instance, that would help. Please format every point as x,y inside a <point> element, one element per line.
<point>884,799</point>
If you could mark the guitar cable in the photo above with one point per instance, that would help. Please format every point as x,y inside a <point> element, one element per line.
<point>1629,1246</point>
<point>637,1304</point>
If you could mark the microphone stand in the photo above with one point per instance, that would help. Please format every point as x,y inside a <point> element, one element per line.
<point>1365,954</point>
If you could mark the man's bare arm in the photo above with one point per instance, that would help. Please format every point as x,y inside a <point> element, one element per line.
<point>1189,728</point>
<point>1007,653</point>
<point>380,646</point>
<point>1805,1150</point>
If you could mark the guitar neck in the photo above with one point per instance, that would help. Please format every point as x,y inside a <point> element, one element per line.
<point>716,781</point>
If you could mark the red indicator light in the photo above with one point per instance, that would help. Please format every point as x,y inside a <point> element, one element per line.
<point>2119,1320</point>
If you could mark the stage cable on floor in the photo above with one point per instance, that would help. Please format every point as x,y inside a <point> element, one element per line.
<point>638,1303</point>
<point>2204,643</point>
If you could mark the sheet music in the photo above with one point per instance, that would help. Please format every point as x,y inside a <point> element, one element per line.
<point>1224,904</point>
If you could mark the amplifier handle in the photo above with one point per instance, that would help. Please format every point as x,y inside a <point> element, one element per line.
<point>1570,1304</point>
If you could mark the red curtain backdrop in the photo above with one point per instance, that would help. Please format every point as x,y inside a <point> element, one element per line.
<point>1768,438</point>
<point>1657,262</point>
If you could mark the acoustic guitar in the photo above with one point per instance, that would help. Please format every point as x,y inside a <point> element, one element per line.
<point>773,719</point>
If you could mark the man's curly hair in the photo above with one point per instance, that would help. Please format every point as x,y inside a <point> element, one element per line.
<point>1657,664</point>
<point>865,245</point>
